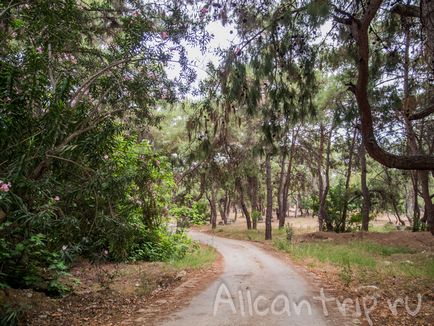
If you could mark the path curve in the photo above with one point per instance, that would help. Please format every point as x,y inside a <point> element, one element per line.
<point>252,280</point>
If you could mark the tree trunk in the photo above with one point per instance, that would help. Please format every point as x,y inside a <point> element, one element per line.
<point>227,205</point>
<point>288,176</point>
<point>213,206</point>
<point>342,224</point>
<point>423,176</point>
<point>360,29</point>
<point>416,209</point>
<point>427,14</point>
<point>269,212</point>
<point>366,205</point>
<point>429,207</point>
<point>222,208</point>
<point>281,195</point>
<point>253,184</point>
<point>300,206</point>
<point>246,213</point>
<point>324,188</point>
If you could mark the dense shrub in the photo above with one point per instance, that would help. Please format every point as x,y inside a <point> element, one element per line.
<point>111,212</point>
<point>196,214</point>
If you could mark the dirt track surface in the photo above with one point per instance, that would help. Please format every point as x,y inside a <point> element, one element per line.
<point>264,290</point>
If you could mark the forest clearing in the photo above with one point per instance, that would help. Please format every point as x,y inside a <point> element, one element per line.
<point>252,162</point>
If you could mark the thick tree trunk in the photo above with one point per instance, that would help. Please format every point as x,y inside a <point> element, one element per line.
<point>360,31</point>
<point>239,185</point>
<point>269,212</point>
<point>429,207</point>
<point>366,204</point>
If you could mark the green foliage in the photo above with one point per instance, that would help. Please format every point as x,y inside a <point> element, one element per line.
<point>10,315</point>
<point>256,215</point>
<point>105,214</point>
<point>197,214</point>
<point>161,245</point>
<point>31,263</point>
<point>289,230</point>
<point>78,86</point>
<point>346,273</point>
<point>197,257</point>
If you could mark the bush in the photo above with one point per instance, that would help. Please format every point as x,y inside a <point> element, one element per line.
<point>197,214</point>
<point>160,245</point>
<point>289,230</point>
<point>103,215</point>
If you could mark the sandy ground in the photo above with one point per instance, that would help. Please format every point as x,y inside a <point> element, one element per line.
<point>256,288</point>
<point>304,224</point>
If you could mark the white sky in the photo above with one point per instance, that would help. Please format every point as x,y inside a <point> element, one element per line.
<point>222,39</point>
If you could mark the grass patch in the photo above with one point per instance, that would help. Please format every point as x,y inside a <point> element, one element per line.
<point>363,261</point>
<point>357,258</point>
<point>162,275</point>
<point>327,252</point>
<point>199,257</point>
<point>386,228</point>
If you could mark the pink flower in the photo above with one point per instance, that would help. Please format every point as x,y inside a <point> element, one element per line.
<point>105,252</point>
<point>164,35</point>
<point>56,198</point>
<point>204,11</point>
<point>106,157</point>
<point>39,49</point>
<point>135,13</point>
<point>4,187</point>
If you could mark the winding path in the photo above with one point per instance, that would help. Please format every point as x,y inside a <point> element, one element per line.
<point>254,289</point>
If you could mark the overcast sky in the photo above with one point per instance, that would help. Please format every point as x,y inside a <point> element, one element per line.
<point>222,39</point>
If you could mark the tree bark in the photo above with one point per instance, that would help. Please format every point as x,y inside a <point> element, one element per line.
<point>366,204</point>
<point>360,29</point>
<point>213,206</point>
<point>324,188</point>
<point>222,210</point>
<point>288,178</point>
<point>281,194</point>
<point>416,209</point>
<point>342,225</point>
<point>269,211</point>
<point>253,184</point>
<point>246,213</point>
<point>423,176</point>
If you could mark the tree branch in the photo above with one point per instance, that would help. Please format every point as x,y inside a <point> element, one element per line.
<point>404,162</point>
<point>422,113</point>
<point>406,10</point>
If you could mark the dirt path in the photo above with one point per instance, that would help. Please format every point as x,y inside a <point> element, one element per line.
<point>254,289</point>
